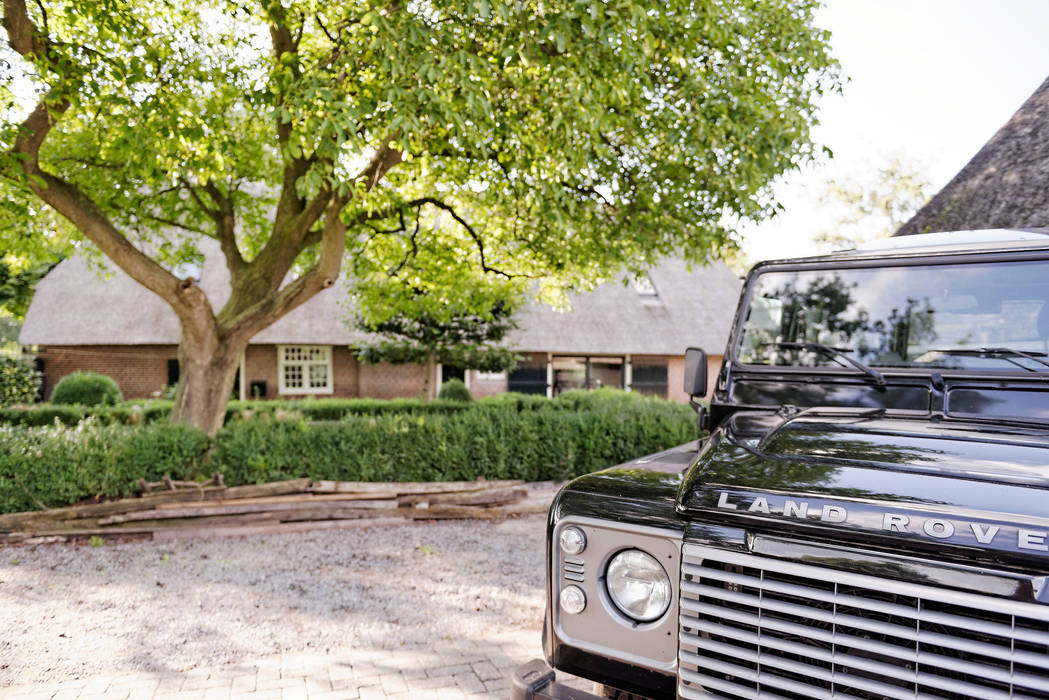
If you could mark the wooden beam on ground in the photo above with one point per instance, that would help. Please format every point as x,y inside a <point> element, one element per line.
<point>485,497</point>
<point>408,487</point>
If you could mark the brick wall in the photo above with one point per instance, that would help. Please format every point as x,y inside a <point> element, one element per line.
<point>480,386</point>
<point>139,370</point>
<point>142,370</point>
<point>260,365</point>
<point>384,381</point>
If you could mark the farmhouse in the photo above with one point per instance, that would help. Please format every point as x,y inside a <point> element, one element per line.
<point>630,335</point>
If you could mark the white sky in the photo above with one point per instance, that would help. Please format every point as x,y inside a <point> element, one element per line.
<point>928,80</point>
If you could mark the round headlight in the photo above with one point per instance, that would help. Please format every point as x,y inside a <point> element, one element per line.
<point>573,541</point>
<point>573,600</point>
<point>638,585</point>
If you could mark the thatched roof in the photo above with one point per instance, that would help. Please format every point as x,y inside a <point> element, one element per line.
<point>691,308</point>
<point>1005,185</point>
<point>73,305</point>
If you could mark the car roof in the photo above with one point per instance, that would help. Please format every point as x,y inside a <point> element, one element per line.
<point>979,241</point>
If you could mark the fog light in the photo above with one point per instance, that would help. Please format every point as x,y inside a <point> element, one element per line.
<point>573,600</point>
<point>638,585</point>
<point>573,541</point>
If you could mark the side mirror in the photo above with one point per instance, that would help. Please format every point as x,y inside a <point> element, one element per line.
<point>695,372</point>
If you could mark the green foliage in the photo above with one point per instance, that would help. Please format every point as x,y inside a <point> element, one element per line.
<point>505,437</point>
<point>16,286</point>
<point>457,322</point>
<point>19,381</point>
<point>497,442</point>
<point>455,390</point>
<point>58,466</point>
<point>86,389</point>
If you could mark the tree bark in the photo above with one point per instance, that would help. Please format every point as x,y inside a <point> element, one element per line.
<point>206,375</point>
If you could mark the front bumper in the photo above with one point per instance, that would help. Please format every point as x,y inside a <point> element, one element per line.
<point>535,680</point>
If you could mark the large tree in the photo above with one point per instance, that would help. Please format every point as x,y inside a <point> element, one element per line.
<point>555,139</point>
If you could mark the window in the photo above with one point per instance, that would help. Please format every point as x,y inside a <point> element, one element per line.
<point>452,372</point>
<point>649,379</point>
<point>586,372</point>
<point>528,378</point>
<point>304,369</point>
<point>646,291</point>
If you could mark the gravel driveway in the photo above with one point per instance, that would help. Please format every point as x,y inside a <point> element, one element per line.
<point>75,611</point>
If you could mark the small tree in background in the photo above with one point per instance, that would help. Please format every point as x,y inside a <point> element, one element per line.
<point>455,336</point>
<point>875,205</point>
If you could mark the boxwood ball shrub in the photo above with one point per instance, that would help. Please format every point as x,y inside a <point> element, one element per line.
<point>87,389</point>
<point>455,390</point>
<point>19,381</point>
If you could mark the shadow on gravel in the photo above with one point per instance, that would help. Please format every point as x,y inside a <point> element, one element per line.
<point>72,611</point>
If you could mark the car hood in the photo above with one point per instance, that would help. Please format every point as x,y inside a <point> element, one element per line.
<point>854,473</point>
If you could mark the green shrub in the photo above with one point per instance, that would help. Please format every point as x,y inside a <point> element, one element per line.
<point>19,381</point>
<point>57,466</point>
<point>455,390</point>
<point>496,442</point>
<point>519,437</point>
<point>86,389</point>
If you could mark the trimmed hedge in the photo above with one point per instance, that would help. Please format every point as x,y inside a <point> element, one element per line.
<point>146,411</point>
<point>86,389</point>
<point>504,439</point>
<point>19,381</point>
<point>57,466</point>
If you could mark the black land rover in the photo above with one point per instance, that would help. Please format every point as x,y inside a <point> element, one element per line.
<point>869,515</point>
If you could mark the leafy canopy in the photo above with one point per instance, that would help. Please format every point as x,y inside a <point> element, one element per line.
<point>532,138</point>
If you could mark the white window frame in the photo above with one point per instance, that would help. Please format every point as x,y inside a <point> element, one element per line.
<point>306,389</point>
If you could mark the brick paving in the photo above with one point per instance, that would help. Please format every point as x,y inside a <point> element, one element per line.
<point>452,670</point>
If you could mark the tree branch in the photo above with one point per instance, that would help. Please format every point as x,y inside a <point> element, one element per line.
<point>322,275</point>
<point>225,223</point>
<point>66,198</point>
<point>478,240</point>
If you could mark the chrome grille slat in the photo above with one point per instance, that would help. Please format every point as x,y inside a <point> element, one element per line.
<point>766,678</point>
<point>752,624</point>
<point>878,606</point>
<point>909,653</point>
<point>694,676</point>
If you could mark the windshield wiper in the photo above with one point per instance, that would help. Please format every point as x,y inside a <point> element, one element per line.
<point>836,353</point>
<point>1008,352</point>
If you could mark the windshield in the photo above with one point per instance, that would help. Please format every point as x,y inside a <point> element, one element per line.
<point>970,316</point>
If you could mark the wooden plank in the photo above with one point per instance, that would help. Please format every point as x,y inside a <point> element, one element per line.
<point>270,528</point>
<point>275,488</point>
<point>235,508</point>
<point>11,522</point>
<point>483,497</point>
<point>411,513</point>
<point>290,498</point>
<point>408,487</point>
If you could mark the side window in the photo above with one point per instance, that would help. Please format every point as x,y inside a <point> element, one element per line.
<point>649,379</point>
<point>305,369</point>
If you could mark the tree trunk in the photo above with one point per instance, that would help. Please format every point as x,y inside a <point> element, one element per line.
<point>206,376</point>
<point>429,378</point>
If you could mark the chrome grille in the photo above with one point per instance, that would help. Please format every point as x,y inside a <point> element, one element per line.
<point>756,627</point>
